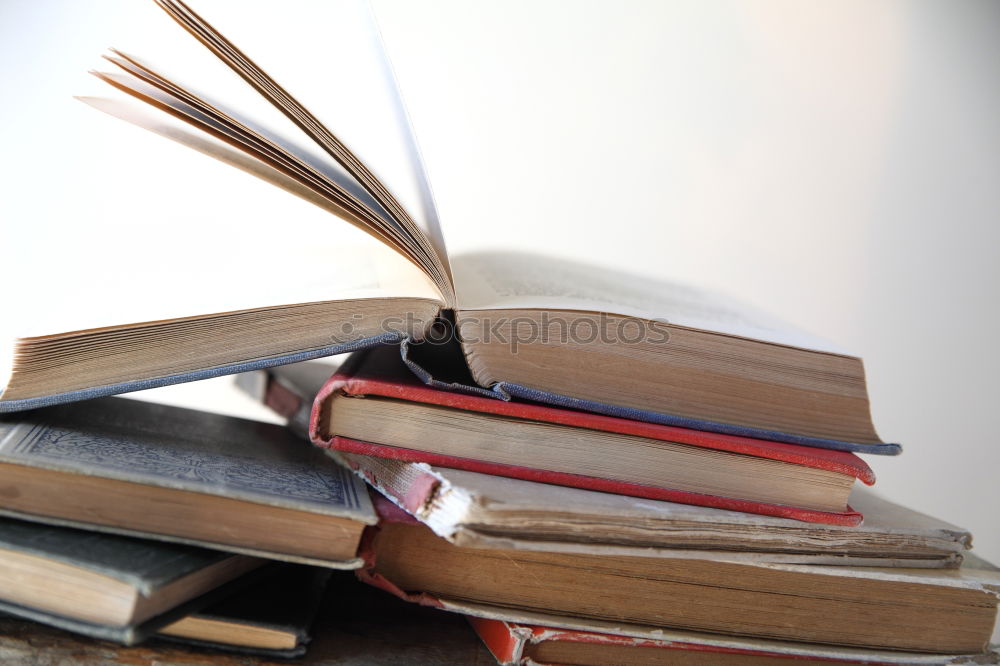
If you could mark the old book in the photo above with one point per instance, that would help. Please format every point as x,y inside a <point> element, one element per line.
<point>375,406</point>
<point>272,616</point>
<point>532,327</point>
<point>178,474</point>
<point>107,586</point>
<point>564,642</point>
<point>918,610</point>
<point>485,510</point>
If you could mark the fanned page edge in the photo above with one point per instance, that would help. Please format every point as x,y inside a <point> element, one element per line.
<point>434,233</point>
<point>324,138</point>
<point>228,139</point>
<point>171,128</point>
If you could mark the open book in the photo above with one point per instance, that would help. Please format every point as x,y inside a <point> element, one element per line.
<point>530,327</point>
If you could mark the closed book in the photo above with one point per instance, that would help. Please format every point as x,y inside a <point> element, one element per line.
<point>374,407</point>
<point>272,616</point>
<point>184,475</point>
<point>487,511</point>
<point>916,610</point>
<point>517,643</point>
<point>533,327</point>
<point>108,586</point>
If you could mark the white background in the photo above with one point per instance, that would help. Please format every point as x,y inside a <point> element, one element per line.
<point>835,163</point>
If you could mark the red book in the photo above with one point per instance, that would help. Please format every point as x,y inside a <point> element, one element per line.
<point>403,419</point>
<point>513,644</point>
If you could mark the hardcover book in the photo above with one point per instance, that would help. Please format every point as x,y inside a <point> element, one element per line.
<point>178,474</point>
<point>487,511</point>
<point>916,610</point>
<point>272,616</point>
<point>375,407</point>
<point>108,586</point>
<point>532,327</point>
<point>514,643</point>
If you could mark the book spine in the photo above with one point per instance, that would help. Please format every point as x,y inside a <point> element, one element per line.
<point>409,486</point>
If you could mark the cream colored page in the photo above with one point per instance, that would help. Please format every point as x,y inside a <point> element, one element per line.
<point>510,280</point>
<point>335,67</point>
<point>194,236</point>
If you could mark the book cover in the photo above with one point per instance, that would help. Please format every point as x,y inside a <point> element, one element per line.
<point>147,568</point>
<point>173,449</point>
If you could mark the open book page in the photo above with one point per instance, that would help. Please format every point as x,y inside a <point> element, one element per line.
<point>516,281</point>
<point>200,237</point>
<point>340,74</point>
<point>158,41</point>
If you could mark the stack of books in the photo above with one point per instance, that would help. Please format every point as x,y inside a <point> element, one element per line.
<point>567,574</point>
<point>590,466</point>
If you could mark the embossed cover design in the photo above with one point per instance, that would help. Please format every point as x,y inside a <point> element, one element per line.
<point>187,449</point>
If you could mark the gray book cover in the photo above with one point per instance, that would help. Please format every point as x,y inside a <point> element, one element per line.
<point>184,449</point>
<point>145,565</point>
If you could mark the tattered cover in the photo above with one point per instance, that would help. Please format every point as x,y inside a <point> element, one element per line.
<point>145,565</point>
<point>508,642</point>
<point>386,381</point>
<point>184,449</point>
<point>457,505</point>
